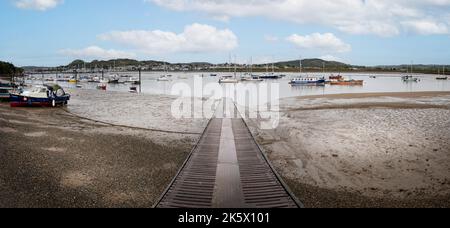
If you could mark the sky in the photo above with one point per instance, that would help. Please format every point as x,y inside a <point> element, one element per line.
<point>359,32</point>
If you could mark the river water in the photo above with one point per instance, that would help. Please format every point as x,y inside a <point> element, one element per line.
<point>189,84</point>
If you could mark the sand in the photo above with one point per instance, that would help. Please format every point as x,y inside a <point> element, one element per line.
<point>122,150</point>
<point>364,150</point>
<point>52,158</point>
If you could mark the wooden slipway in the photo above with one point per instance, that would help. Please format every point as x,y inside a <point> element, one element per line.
<point>227,169</point>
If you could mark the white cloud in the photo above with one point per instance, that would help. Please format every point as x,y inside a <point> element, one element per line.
<point>380,17</point>
<point>94,52</point>
<point>41,5</point>
<point>425,27</point>
<point>195,38</point>
<point>326,42</point>
<point>271,38</point>
<point>331,58</point>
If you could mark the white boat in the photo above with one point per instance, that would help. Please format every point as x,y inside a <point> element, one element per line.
<point>410,78</point>
<point>163,78</point>
<point>228,80</point>
<point>251,79</point>
<point>443,77</point>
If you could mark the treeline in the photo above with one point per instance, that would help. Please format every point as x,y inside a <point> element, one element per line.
<point>8,69</point>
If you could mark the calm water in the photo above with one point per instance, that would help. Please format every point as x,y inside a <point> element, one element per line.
<point>383,83</point>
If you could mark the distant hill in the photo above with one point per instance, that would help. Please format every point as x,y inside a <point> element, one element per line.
<point>78,64</point>
<point>312,63</point>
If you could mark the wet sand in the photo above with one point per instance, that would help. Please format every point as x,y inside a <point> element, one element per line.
<point>107,150</point>
<point>52,158</point>
<point>364,150</point>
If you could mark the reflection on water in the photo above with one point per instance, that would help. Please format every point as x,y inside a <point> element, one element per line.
<point>383,83</point>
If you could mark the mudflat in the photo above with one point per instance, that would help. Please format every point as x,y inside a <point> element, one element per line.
<point>51,158</point>
<point>363,150</point>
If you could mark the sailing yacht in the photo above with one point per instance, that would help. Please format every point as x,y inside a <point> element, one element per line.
<point>228,79</point>
<point>165,77</point>
<point>443,77</point>
<point>410,78</point>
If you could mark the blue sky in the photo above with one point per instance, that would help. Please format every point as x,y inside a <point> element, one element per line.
<point>371,32</point>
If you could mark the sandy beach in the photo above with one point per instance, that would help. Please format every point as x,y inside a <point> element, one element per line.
<point>364,150</point>
<point>53,158</point>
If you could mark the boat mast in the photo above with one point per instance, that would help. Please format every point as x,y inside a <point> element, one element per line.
<point>300,61</point>
<point>235,66</point>
<point>251,66</point>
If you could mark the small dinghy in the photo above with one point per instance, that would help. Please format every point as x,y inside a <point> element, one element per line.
<point>133,89</point>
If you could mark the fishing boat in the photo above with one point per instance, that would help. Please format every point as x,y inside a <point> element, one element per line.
<point>336,78</point>
<point>442,78</point>
<point>47,95</point>
<point>308,81</point>
<point>348,82</point>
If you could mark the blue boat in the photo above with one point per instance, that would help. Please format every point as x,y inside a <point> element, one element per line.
<point>308,81</point>
<point>48,95</point>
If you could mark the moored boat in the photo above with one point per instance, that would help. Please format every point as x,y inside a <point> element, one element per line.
<point>308,81</point>
<point>48,95</point>
<point>133,89</point>
<point>163,78</point>
<point>350,82</point>
<point>228,80</point>
<point>409,78</point>
<point>102,86</point>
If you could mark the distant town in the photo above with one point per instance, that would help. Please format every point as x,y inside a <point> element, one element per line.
<point>307,65</point>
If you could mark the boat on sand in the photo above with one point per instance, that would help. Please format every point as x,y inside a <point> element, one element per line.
<point>47,95</point>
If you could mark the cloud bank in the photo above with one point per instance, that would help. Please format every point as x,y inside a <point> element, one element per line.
<point>380,17</point>
<point>95,52</point>
<point>196,38</point>
<point>41,5</point>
